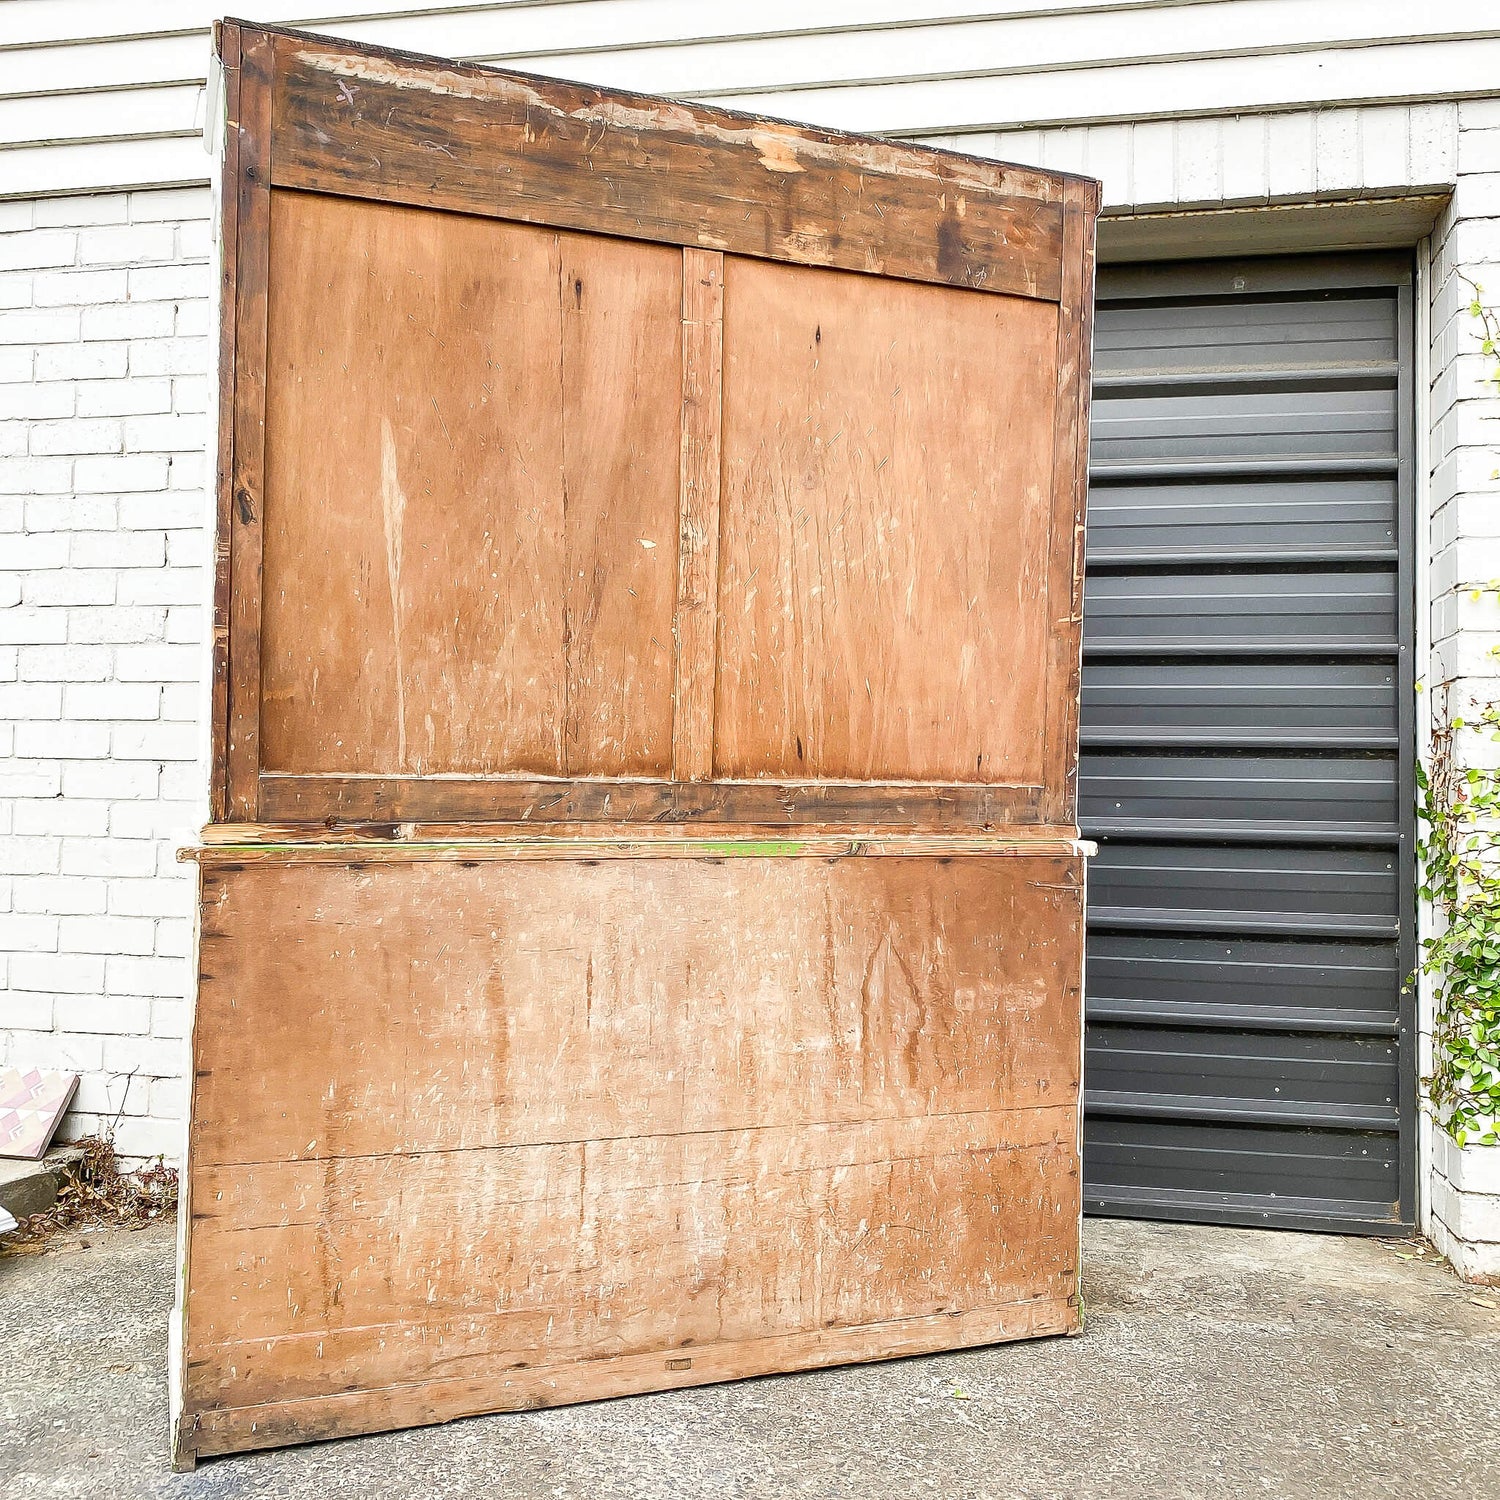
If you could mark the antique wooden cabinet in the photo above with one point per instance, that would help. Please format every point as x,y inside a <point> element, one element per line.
<point>641,918</point>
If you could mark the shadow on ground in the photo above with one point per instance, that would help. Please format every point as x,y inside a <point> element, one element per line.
<point>1215,1362</point>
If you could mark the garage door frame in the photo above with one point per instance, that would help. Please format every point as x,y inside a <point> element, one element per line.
<point>1393,271</point>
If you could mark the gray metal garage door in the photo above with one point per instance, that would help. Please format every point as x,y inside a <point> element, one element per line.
<point>1247,745</point>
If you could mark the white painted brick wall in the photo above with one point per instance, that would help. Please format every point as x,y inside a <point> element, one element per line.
<point>1464,454</point>
<point>1465,429</point>
<point>104,363</point>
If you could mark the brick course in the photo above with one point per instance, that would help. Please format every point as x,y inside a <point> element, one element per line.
<point>104,362</point>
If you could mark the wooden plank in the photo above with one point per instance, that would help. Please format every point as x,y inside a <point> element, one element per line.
<point>417,368</point>
<point>228,245</point>
<point>414,799</point>
<point>774,990</point>
<point>621,365</point>
<point>239,843</point>
<point>233,1429</point>
<point>1069,492</point>
<point>390,1270</point>
<point>247,507</point>
<point>485,594</point>
<point>695,623</point>
<point>887,467</point>
<point>856,1116</point>
<point>431,132</point>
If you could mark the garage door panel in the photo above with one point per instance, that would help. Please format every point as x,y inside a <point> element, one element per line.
<point>1245,1072</point>
<point>1241,1173</point>
<point>1348,792</point>
<point>1307,610</point>
<point>1236,333</point>
<point>1206,701</point>
<point>1246,729</point>
<point>1315,984</point>
<point>1173,427</point>
<point>1271,518</point>
<point>1229,888</point>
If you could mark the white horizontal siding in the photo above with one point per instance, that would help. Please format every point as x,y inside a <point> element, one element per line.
<point>1148,90</point>
<point>1377,151</point>
<point>89,102</point>
<point>588,22</point>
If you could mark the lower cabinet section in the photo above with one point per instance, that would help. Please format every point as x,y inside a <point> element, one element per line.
<point>522,1124</point>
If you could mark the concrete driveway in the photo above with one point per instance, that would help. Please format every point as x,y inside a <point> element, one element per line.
<point>1216,1362</point>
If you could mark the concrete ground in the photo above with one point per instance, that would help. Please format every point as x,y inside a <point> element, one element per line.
<point>1215,1362</point>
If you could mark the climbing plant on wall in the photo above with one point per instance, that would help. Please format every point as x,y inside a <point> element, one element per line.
<point>1459,852</point>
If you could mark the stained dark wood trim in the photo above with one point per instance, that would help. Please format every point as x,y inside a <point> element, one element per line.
<point>404,799</point>
<point>228,39</point>
<point>371,123</point>
<point>1069,494</point>
<point>695,622</point>
<point>247,500</point>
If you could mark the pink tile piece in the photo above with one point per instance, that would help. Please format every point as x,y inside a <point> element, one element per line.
<point>31,1104</point>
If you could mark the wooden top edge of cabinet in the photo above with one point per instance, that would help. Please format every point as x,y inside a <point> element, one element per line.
<point>350,118</point>
<point>244,842</point>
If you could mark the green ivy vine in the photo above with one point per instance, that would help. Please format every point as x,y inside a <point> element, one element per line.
<point>1458,809</point>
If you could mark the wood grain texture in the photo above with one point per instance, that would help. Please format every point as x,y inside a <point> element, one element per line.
<point>721,1238</point>
<point>491,1133</point>
<point>885,532</point>
<point>483,598</point>
<point>248,398</point>
<point>367,841</point>
<point>1069,496</point>
<point>695,624</point>
<point>233,1429</point>
<point>336,799</point>
<point>775,991</point>
<point>228,42</point>
<point>440,134</point>
<point>472,496</point>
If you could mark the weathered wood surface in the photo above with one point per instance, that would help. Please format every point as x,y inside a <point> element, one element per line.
<point>503,1134</point>
<point>695,625</point>
<point>885,532</point>
<point>271,841</point>
<point>1070,478</point>
<point>223,603</point>
<point>497,800</point>
<point>752,487</point>
<point>228,1429</point>
<point>439,134</point>
<point>252,213</point>
<point>472,476</point>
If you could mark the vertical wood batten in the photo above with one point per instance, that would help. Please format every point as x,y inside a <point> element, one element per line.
<point>694,626</point>
<point>247,498</point>
<point>218,782</point>
<point>1069,491</point>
